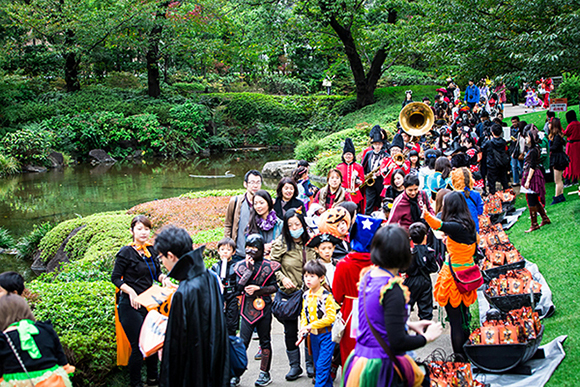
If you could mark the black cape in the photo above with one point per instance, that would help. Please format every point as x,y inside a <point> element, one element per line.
<point>196,348</point>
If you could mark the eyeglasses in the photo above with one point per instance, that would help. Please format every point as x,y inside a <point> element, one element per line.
<point>254,182</point>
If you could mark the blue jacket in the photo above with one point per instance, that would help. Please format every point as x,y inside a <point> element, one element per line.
<point>472,94</point>
<point>475,205</point>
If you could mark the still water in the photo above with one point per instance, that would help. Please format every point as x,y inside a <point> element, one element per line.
<point>58,195</point>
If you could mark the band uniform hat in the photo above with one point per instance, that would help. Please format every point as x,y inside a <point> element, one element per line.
<point>363,231</point>
<point>376,134</point>
<point>348,147</point>
<point>397,141</point>
<point>319,239</point>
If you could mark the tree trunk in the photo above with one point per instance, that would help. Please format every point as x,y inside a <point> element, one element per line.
<point>153,86</point>
<point>71,72</point>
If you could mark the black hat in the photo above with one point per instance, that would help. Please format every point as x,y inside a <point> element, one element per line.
<point>376,134</point>
<point>397,141</point>
<point>413,153</point>
<point>318,239</point>
<point>348,147</point>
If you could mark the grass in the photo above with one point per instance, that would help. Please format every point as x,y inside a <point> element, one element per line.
<point>539,118</point>
<point>554,248</point>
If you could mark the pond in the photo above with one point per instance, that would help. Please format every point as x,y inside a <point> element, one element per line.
<point>62,194</point>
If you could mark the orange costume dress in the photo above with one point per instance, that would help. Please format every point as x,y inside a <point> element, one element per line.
<point>461,256</point>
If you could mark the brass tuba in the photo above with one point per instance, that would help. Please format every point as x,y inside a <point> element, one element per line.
<point>416,118</point>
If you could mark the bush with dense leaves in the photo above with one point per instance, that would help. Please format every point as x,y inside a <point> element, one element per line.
<point>83,316</point>
<point>279,84</point>
<point>30,145</point>
<point>28,244</point>
<point>569,88</point>
<point>6,240</point>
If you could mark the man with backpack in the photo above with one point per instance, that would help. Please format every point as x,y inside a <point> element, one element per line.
<point>497,159</point>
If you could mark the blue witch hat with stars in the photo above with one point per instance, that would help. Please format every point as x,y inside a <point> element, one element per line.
<point>363,231</point>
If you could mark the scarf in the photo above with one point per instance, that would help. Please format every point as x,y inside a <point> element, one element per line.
<point>415,210</point>
<point>268,223</point>
<point>142,248</point>
<point>26,329</point>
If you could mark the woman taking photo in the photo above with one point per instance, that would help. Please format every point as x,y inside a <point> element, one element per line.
<point>263,219</point>
<point>136,268</point>
<point>533,183</point>
<point>383,312</point>
<point>290,250</point>
<point>286,197</point>
<point>332,194</point>
<point>456,222</point>
<point>559,161</point>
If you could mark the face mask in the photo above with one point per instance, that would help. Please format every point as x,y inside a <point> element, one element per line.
<point>297,233</point>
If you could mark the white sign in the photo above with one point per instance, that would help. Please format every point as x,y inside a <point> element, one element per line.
<point>558,105</point>
<point>326,83</point>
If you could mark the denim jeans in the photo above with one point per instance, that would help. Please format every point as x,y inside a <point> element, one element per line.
<point>517,169</point>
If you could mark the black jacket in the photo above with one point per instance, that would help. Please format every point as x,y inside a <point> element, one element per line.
<point>196,347</point>
<point>229,282</point>
<point>135,270</point>
<point>492,148</point>
<point>423,262</point>
<point>294,203</point>
<point>366,161</point>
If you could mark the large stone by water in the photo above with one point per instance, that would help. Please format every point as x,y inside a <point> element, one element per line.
<point>52,263</point>
<point>56,159</point>
<point>279,169</point>
<point>100,156</point>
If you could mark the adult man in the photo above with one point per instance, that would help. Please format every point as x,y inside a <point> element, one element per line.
<point>407,206</point>
<point>516,149</point>
<point>371,161</point>
<point>238,213</point>
<point>480,128</point>
<point>497,159</point>
<point>196,347</point>
<point>471,95</point>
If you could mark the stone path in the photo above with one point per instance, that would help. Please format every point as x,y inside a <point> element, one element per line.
<point>510,111</point>
<point>280,362</point>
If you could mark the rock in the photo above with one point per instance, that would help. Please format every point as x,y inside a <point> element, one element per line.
<point>33,169</point>
<point>50,265</point>
<point>138,154</point>
<point>100,156</point>
<point>279,169</point>
<point>56,159</point>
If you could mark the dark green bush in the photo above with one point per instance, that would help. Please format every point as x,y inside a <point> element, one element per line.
<point>187,133</point>
<point>83,316</point>
<point>6,240</point>
<point>569,88</point>
<point>122,80</point>
<point>30,145</point>
<point>279,84</point>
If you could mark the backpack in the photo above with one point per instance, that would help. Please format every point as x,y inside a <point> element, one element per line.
<point>238,356</point>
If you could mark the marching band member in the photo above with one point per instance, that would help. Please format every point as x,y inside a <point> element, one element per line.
<point>353,174</point>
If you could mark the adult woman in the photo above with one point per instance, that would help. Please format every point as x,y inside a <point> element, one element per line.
<point>382,317</point>
<point>428,169</point>
<point>263,219</point>
<point>572,133</point>
<point>286,197</point>
<point>440,178</point>
<point>396,188</point>
<point>461,241</point>
<point>136,268</point>
<point>463,182</point>
<point>332,193</point>
<point>414,161</point>
<point>35,342</point>
<point>558,159</point>
<point>534,185</point>
<point>443,142</point>
<point>290,250</point>
<point>353,173</point>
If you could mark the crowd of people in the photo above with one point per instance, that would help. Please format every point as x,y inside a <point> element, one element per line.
<point>341,267</point>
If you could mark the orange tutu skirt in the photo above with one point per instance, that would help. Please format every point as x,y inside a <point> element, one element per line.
<point>446,291</point>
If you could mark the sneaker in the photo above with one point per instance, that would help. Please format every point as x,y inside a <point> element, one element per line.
<point>568,185</point>
<point>235,382</point>
<point>263,380</point>
<point>258,355</point>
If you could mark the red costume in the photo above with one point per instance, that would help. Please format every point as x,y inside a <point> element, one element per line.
<point>345,292</point>
<point>401,211</point>
<point>572,132</point>
<point>347,171</point>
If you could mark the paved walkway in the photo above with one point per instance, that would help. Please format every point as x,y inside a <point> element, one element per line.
<point>510,111</point>
<point>280,362</point>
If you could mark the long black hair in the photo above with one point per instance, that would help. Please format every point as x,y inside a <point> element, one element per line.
<point>253,222</point>
<point>294,212</point>
<point>282,183</point>
<point>455,209</point>
<point>443,165</point>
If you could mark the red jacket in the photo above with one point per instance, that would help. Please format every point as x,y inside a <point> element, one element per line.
<point>345,291</point>
<point>572,132</point>
<point>347,172</point>
<point>401,211</point>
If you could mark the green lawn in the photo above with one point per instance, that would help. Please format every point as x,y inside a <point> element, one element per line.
<point>539,118</point>
<point>555,249</point>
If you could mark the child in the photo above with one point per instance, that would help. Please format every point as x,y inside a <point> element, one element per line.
<point>422,264</point>
<point>300,176</point>
<point>40,354</point>
<point>324,244</point>
<point>224,268</point>
<point>11,282</point>
<point>317,317</point>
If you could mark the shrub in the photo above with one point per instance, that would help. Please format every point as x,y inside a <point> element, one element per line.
<point>82,314</point>
<point>30,145</point>
<point>404,75</point>
<point>28,245</point>
<point>6,240</point>
<point>8,165</point>
<point>187,128</point>
<point>279,84</point>
<point>569,88</point>
<point>188,88</point>
<point>122,80</point>
<point>103,236</point>
<point>212,193</point>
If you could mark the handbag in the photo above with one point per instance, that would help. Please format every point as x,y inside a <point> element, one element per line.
<point>53,380</point>
<point>287,306</point>
<point>468,279</point>
<point>419,374</point>
<point>339,327</point>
